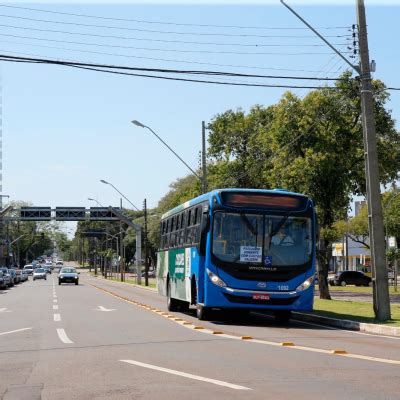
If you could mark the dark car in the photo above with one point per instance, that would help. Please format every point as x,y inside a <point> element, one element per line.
<point>3,281</point>
<point>350,278</point>
<point>68,275</point>
<point>7,276</point>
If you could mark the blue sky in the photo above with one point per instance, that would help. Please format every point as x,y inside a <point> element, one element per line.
<point>65,129</point>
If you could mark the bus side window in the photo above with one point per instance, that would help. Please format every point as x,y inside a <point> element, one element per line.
<point>182,230</point>
<point>188,234</point>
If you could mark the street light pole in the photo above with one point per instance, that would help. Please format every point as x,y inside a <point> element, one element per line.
<point>108,183</point>
<point>137,123</point>
<point>122,259</point>
<point>89,198</point>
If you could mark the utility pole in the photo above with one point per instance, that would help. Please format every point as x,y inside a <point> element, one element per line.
<point>146,253</point>
<point>381,301</point>
<point>380,289</point>
<point>203,158</point>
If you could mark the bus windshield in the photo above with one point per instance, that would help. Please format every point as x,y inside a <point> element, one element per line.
<point>262,241</point>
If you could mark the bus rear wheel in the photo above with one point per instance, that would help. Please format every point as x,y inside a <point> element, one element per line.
<point>282,316</point>
<point>172,304</point>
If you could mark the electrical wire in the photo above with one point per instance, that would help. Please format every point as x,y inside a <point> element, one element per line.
<point>247,35</point>
<point>162,50</point>
<point>162,40</point>
<point>80,66</point>
<point>162,22</point>
<point>164,70</point>
<point>161,59</point>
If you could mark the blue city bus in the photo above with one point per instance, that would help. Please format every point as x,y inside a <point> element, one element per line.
<point>239,249</point>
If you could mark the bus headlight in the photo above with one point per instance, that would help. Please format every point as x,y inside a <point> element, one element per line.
<point>215,279</point>
<point>306,284</point>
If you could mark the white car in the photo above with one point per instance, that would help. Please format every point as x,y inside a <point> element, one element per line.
<point>39,273</point>
<point>28,268</point>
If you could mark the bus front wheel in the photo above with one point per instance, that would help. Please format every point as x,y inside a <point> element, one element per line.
<point>172,304</point>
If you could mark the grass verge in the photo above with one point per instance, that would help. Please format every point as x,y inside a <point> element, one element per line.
<point>354,311</point>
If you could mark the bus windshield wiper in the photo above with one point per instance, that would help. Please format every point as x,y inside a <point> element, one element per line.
<point>247,222</point>
<point>278,227</point>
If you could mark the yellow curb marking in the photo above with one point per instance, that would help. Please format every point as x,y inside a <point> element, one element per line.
<point>287,344</point>
<point>338,351</point>
<point>246,337</point>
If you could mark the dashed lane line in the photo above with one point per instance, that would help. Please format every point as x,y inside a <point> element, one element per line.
<point>63,336</point>
<point>186,375</point>
<point>55,306</point>
<point>57,317</point>
<point>248,339</point>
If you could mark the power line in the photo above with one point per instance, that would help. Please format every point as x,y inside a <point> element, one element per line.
<point>162,22</point>
<point>167,71</point>
<point>247,35</point>
<point>163,50</point>
<point>161,59</point>
<point>163,40</point>
<point>100,68</point>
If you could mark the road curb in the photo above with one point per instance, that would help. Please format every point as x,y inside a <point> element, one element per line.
<point>347,324</point>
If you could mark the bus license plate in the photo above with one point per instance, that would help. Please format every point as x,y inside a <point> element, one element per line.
<point>260,296</point>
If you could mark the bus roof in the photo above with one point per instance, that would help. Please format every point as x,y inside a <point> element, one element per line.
<point>209,196</point>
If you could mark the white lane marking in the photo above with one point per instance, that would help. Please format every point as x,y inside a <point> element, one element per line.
<point>55,301</point>
<point>55,306</point>
<point>101,308</point>
<point>57,317</point>
<point>63,336</point>
<point>17,330</point>
<point>186,375</point>
<point>4,310</point>
<point>55,296</point>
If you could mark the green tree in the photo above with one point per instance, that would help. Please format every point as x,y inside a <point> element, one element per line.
<point>313,146</point>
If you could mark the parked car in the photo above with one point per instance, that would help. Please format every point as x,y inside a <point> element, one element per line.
<point>6,273</point>
<point>24,275</point>
<point>3,281</point>
<point>29,269</point>
<point>350,278</point>
<point>14,276</point>
<point>39,273</point>
<point>68,274</point>
<point>18,275</point>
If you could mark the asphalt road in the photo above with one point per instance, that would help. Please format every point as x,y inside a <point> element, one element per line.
<point>86,342</point>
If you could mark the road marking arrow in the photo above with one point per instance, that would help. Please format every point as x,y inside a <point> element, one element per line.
<point>101,308</point>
